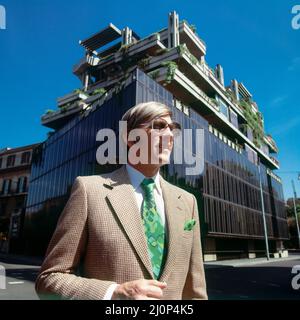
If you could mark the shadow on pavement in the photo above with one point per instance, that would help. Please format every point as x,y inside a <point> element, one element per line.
<point>23,274</point>
<point>250,283</point>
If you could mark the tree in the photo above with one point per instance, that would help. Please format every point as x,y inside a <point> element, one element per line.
<point>293,242</point>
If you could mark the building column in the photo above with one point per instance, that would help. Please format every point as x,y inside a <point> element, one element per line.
<point>209,249</point>
<point>126,36</point>
<point>173,30</point>
<point>220,74</point>
<point>235,89</point>
<point>251,249</point>
<point>86,76</point>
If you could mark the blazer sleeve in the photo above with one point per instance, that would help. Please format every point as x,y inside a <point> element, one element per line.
<point>195,285</point>
<point>57,278</point>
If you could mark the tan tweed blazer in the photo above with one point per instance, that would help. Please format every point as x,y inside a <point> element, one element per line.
<point>100,230</point>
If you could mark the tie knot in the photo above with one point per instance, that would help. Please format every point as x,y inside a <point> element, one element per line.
<point>147,185</point>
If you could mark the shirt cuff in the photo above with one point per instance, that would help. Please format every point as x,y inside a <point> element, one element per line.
<point>110,291</point>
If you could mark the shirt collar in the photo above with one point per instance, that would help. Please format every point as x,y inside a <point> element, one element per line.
<point>136,178</point>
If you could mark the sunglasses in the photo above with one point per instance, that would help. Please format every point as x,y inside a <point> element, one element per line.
<point>161,125</point>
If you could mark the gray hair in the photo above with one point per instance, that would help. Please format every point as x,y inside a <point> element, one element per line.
<point>144,112</point>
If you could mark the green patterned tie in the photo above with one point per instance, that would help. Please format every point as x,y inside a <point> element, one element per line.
<point>154,229</point>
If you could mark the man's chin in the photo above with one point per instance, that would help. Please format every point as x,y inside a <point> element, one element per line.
<point>164,159</point>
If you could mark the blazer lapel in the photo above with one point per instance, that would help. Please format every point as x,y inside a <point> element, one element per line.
<point>175,216</point>
<point>123,202</point>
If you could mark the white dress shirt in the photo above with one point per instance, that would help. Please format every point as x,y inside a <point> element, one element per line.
<point>136,178</point>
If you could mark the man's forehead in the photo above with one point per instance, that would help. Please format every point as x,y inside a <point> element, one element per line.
<point>166,117</point>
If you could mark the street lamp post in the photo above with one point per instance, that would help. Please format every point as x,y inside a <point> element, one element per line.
<point>263,214</point>
<point>295,209</point>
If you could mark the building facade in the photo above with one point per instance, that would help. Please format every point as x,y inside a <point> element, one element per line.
<point>15,167</point>
<point>236,182</point>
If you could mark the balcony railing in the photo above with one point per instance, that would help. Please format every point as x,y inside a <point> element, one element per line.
<point>275,161</point>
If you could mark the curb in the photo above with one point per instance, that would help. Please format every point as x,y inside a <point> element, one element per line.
<point>228,263</point>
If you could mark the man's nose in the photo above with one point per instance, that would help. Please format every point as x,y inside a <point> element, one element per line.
<point>169,132</point>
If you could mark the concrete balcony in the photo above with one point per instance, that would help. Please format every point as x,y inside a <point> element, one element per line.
<point>59,118</point>
<point>187,36</point>
<point>271,143</point>
<point>69,105</point>
<point>187,92</point>
<point>71,97</point>
<point>275,161</point>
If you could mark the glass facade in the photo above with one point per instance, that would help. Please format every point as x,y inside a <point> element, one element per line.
<point>227,191</point>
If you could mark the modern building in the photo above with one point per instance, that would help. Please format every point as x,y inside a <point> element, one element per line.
<point>120,69</point>
<point>15,167</point>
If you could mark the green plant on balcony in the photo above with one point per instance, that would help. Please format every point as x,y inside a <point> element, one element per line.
<point>193,59</point>
<point>77,91</point>
<point>154,74</point>
<point>183,49</point>
<point>64,109</point>
<point>171,69</point>
<point>49,111</point>
<point>272,142</point>
<point>99,91</point>
<point>193,28</point>
<point>214,102</point>
<point>143,63</point>
<point>125,48</point>
<point>231,96</point>
<point>159,52</point>
<point>254,121</point>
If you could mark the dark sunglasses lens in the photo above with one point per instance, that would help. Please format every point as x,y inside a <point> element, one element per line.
<point>175,126</point>
<point>159,124</point>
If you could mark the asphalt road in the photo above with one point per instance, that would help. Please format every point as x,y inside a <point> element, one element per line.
<point>267,281</point>
<point>19,281</point>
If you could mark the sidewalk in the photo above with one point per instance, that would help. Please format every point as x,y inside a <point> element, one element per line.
<point>37,261</point>
<point>247,262</point>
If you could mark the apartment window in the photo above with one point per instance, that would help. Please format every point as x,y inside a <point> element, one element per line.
<point>22,184</point>
<point>265,149</point>
<point>25,157</point>
<point>10,162</point>
<point>252,155</point>
<point>6,187</point>
<point>234,118</point>
<point>223,107</point>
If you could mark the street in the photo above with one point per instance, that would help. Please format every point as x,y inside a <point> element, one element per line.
<point>20,277</point>
<point>230,280</point>
<point>263,281</point>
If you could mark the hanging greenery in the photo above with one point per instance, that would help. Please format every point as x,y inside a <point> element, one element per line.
<point>154,74</point>
<point>49,111</point>
<point>143,63</point>
<point>183,49</point>
<point>171,69</point>
<point>254,121</point>
<point>99,91</point>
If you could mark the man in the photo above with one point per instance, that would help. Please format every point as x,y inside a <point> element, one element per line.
<point>135,235</point>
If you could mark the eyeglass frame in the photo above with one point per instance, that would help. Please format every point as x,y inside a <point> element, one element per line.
<point>167,124</point>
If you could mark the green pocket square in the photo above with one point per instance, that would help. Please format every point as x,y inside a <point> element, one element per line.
<point>189,225</point>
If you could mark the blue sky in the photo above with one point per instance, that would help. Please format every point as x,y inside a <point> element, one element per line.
<point>253,40</point>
